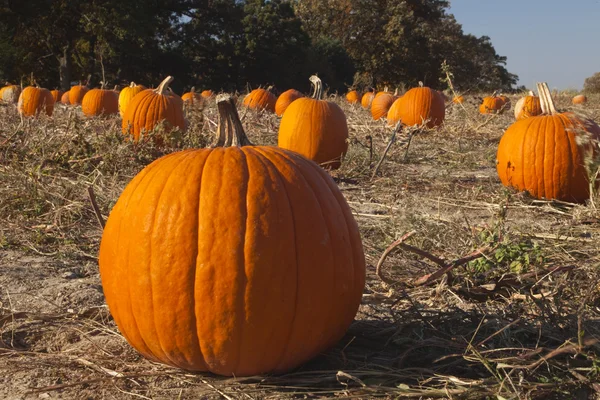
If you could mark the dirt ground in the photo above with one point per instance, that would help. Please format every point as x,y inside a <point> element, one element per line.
<point>521,322</point>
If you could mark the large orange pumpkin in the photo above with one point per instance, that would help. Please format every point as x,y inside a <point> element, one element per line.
<point>580,99</point>
<point>261,99</point>
<point>381,105</point>
<point>127,94</point>
<point>315,128</point>
<point>240,261</point>
<point>151,107</point>
<point>418,106</point>
<point>100,102</point>
<point>76,94</point>
<point>10,94</point>
<point>528,106</point>
<point>285,99</point>
<point>367,99</point>
<point>353,97</point>
<point>34,100</point>
<point>547,155</point>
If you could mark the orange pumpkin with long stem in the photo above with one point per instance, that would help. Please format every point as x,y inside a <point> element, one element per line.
<point>285,99</point>
<point>240,261</point>
<point>315,128</point>
<point>152,107</point>
<point>420,105</point>
<point>127,94</point>
<point>548,155</point>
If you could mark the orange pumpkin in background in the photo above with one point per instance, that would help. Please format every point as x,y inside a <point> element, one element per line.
<point>34,100</point>
<point>98,102</point>
<point>261,99</point>
<point>127,94</point>
<point>353,97</point>
<point>381,105</point>
<point>528,106</point>
<point>64,99</point>
<point>76,94</point>
<point>493,105</point>
<point>262,285</point>
<point>10,93</point>
<point>151,107</point>
<point>419,105</point>
<point>191,98</point>
<point>547,155</point>
<point>285,99</point>
<point>56,95</point>
<point>367,99</point>
<point>458,99</point>
<point>315,128</point>
<point>579,99</point>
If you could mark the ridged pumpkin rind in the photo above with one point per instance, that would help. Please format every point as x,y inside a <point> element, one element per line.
<point>367,99</point>
<point>65,98</point>
<point>541,155</point>
<point>239,261</point>
<point>417,106</point>
<point>10,94</point>
<point>285,99</point>
<point>317,129</point>
<point>148,108</point>
<point>100,102</point>
<point>353,97</point>
<point>492,105</point>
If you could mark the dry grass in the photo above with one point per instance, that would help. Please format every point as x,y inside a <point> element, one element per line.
<point>523,322</point>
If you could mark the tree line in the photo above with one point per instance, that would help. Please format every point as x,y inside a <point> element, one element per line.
<point>235,44</point>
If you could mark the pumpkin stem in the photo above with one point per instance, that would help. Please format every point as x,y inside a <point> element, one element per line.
<point>116,88</point>
<point>396,92</point>
<point>385,89</point>
<point>193,90</point>
<point>164,85</point>
<point>132,84</point>
<point>531,93</point>
<point>316,81</point>
<point>229,128</point>
<point>546,101</point>
<point>420,83</point>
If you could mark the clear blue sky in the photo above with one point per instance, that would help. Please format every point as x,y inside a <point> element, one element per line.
<point>555,41</point>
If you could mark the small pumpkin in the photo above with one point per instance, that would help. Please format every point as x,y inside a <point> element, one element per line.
<point>262,284</point>
<point>151,107</point>
<point>528,106</point>
<point>10,94</point>
<point>98,102</point>
<point>64,99</point>
<point>76,94</point>
<point>56,95</point>
<point>353,97</point>
<point>191,98</point>
<point>547,155</point>
<point>493,105</point>
<point>579,99</point>
<point>261,99</point>
<point>458,99</point>
<point>34,100</point>
<point>315,128</point>
<point>419,105</point>
<point>207,94</point>
<point>285,99</point>
<point>367,99</point>
<point>127,94</point>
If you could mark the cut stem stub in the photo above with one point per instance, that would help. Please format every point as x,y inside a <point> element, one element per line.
<point>229,128</point>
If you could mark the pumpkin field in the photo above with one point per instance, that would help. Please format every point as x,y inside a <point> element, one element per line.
<point>473,289</point>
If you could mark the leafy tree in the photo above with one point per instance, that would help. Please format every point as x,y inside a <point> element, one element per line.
<point>592,84</point>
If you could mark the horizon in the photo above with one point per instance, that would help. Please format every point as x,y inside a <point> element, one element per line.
<point>536,50</point>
